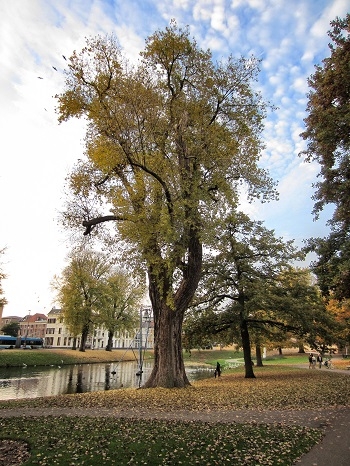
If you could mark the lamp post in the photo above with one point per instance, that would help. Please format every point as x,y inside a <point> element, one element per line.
<point>26,334</point>
<point>145,316</point>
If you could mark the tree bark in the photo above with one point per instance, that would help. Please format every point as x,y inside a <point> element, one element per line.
<point>259,362</point>
<point>169,369</point>
<point>301,347</point>
<point>74,345</point>
<point>248,364</point>
<point>110,341</point>
<point>84,335</point>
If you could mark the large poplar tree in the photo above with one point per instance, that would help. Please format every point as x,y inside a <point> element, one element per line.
<point>328,142</point>
<point>168,141</point>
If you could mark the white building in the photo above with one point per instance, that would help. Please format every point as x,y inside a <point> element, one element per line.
<point>58,336</point>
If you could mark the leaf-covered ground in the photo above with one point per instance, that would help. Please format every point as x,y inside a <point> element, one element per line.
<point>97,441</point>
<point>191,426</point>
<point>273,389</point>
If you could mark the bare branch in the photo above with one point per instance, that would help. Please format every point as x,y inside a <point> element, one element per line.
<point>89,224</point>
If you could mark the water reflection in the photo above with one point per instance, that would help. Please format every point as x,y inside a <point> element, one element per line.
<point>32,382</point>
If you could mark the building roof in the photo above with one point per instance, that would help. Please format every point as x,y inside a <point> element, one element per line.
<point>12,317</point>
<point>34,318</point>
<point>55,311</point>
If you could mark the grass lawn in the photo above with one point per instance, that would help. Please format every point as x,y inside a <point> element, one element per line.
<point>106,441</point>
<point>89,440</point>
<point>57,357</point>
<point>226,357</point>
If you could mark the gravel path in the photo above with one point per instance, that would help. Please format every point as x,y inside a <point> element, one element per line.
<point>310,418</point>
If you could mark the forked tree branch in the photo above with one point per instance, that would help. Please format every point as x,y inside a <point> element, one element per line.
<point>89,224</point>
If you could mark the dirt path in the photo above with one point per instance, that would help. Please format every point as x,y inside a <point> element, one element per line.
<point>310,418</point>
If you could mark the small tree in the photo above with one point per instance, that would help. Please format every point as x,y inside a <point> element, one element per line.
<point>11,329</point>
<point>119,305</point>
<point>340,311</point>
<point>242,278</point>
<point>79,291</point>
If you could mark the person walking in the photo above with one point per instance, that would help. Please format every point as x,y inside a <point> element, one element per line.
<point>310,360</point>
<point>313,361</point>
<point>319,360</point>
<point>217,370</point>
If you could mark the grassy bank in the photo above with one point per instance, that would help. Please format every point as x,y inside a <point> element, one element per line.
<point>226,357</point>
<point>275,387</point>
<point>59,357</point>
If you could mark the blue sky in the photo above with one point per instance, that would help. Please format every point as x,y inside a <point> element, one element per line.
<point>290,36</point>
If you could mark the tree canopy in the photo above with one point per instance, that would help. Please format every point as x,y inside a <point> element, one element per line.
<point>328,142</point>
<point>169,142</point>
<point>79,291</point>
<point>11,328</point>
<point>120,302</point>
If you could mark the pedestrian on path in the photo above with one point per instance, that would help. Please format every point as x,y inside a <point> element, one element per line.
<point>310,360</point>
<point>319,360</point>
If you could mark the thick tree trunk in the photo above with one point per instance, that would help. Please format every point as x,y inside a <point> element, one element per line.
<point>74,347</point>
<point>301,347</point>
<point>259,361</point>
<point>169,369</point>
<point>248,364</point>
<point>84,335</point>
<point>110,341</point>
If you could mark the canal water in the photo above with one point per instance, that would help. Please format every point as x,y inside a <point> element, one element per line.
<point>33,382</point>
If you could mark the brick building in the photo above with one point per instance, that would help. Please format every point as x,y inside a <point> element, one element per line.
<point>33,325</point>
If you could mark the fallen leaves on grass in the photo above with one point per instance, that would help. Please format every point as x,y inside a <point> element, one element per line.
<point>13,452</point>
<point>91,441</point>
<point>272,389</point>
